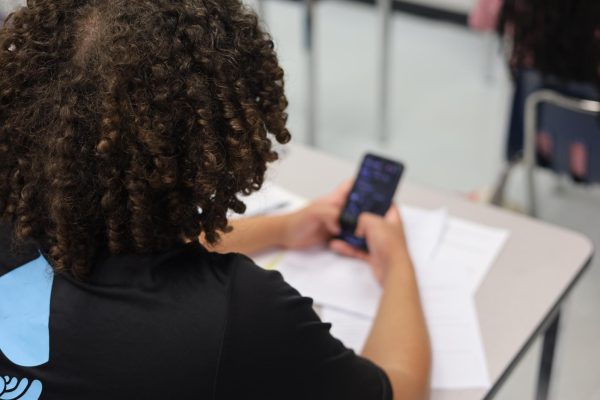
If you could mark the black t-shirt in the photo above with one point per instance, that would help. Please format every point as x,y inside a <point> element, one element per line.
<point>186,324</point>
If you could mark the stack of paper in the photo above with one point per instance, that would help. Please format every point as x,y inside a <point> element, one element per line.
<point>271,200</point>
<point>347,283</point>
<point>451,257</point>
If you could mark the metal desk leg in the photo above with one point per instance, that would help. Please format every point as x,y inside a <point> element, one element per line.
<point>311,74</point>
<point>548,350</point>
<point>385,8</point>
<point>529,152</point>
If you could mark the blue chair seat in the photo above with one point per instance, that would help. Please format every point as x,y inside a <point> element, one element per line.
<point>566,138</point>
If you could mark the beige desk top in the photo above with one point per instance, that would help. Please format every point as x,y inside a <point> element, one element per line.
<point>535,269</point>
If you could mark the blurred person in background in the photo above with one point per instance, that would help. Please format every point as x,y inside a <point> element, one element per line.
<point>555,45</point>
<point>559,38</point>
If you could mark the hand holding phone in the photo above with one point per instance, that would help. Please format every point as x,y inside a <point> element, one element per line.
<point>373,191</point>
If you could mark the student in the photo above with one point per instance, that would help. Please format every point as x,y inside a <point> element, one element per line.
<point>128,129</point>
<point>555,45</point>
<point>559,39</point>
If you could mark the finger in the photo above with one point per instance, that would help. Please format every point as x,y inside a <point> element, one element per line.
<point>346,250</point>
<point>393,215</point>
<point>343,248</point>
<point>342,192</point>
<point>365,223</point>
<point>330,217</point>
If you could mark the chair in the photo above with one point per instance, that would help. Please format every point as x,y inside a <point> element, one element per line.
<point>556,126</point>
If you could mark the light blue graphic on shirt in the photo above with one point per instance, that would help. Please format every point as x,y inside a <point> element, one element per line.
<point>25,294</point>
<point>12,388</point>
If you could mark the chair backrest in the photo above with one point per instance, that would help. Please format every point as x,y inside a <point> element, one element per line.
<point>564,132</point>
<point>564,122</point>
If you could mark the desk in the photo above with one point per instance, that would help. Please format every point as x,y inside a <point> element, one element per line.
<point>520,297</point>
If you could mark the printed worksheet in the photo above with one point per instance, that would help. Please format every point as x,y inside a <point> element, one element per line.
<point>451,257</point>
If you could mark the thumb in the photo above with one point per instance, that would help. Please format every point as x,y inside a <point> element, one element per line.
<point>330,217</point>
<point>366,222</point>
<point>393,214</point>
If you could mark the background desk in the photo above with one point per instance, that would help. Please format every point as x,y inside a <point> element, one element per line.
<point>521,295</point>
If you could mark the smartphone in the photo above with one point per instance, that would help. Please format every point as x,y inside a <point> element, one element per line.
<point>373,191</point>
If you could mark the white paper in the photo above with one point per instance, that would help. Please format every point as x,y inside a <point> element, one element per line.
<point>473,246</point>
<point>270,200</point>
<point>347,283</point>
<point>451,257</point>
<point>352,329</point>
<point>458,354</point>
<point>333,280</point>
<point>423,230</point>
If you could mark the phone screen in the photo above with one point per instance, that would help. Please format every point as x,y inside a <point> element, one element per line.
<point>373,192</point>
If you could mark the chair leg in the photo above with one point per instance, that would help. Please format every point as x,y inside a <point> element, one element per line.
<point>532,208</point>
<point>500,188</point>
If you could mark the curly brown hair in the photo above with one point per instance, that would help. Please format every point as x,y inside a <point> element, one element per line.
<point>131,126</point>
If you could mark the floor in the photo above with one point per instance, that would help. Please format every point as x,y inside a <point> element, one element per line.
<point>450,94</point>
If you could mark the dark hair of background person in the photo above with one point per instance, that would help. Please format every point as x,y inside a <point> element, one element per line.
<point>120,120</point>
<point>560,38</point>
